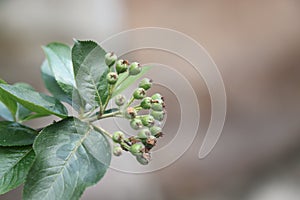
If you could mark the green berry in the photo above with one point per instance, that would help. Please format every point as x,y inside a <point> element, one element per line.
<point>142,160</point>
<point>157,96</point>
<point>146,103</point>
<point>137,149</point>
<point>148,120</point>
<point>112,78</point>
<point>158,115</point>
<point>146,83</point>
<point>135,68</point>
<point>130,113</point>
<point>156,131</point>
<point>110,59</point>
<point>139,93</point>
<point>117,151</point>
<point>144,134</point>
<point>158,105</point>
<point>136,124</point>
<point>120,100</point>
<point>151,140</point>
<point>121,66</point>
<point>118,136</point>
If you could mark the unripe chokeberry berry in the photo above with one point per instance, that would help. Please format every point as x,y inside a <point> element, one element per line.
<point>134,68</point>
<point>121,66</point>
<point>158,115</point>
<point>144,134</point>
<point>156,131</point>
<point>146,103</point>
<point>157,105</point>
<point>130,113</point>
<point>146,83</point>
<point>157,96</point>
<point>136,124</point>
<point>120,100</point>
<point>112,77</point>
<point>137,149</point>
<point>110,59</point>
<point>142,160</point>
<point>117,151</point>
<point>139,93</point>
<point>118,136</point>
<point>147,120</point>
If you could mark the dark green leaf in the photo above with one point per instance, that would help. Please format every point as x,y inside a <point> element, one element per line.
<point>34,101</point>
<point>59,59</point>
<point>15,134</point>
<point>89,65</point>
<point>15,163</point>
<point>70,156</point>
<point>129,80</point>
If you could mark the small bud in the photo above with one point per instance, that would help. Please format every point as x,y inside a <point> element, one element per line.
<point>157,105</point>
<point>121,66</point>
<point>137,149</point>
<point>146,83</point>
<point>112,78</point>
<point>158,115</point>
<point>144,134</point>
<point>117,151</point>
<point>110,59</point>
<point>156,131</point>
<point>148,120</point>
<point>130,113</point>
<point>136,124</point>
<point>139,93</point>
<point>146,103</point>
<point>143,159</point>
<point>118,136</point>
<point>120,100</point>
<point>134,69</point>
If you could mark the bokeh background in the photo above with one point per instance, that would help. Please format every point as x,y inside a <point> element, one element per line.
<point>255,44</point>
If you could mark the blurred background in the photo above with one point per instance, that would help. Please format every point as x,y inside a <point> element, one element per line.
<point>256,46</point>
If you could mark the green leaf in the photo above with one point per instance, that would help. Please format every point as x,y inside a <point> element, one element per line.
<point>70,156</point>
<point>9,103</point>
<point>103,87</point>
<point>23,112</point>
<point>5,113</point>
<point>51,84</point>
<point>2,81</point>
<point>34,101</point>
<point>123,84</point>
<point>59,59</point>
<point>89,66</point>
<point>15,163</point>
<point>15,134</point>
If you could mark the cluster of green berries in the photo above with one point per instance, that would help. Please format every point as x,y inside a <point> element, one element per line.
<point>121,66</point>
<point>145,125</point>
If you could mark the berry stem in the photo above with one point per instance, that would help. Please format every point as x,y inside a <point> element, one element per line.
<point>102,131</point>
<point>130,101</point>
